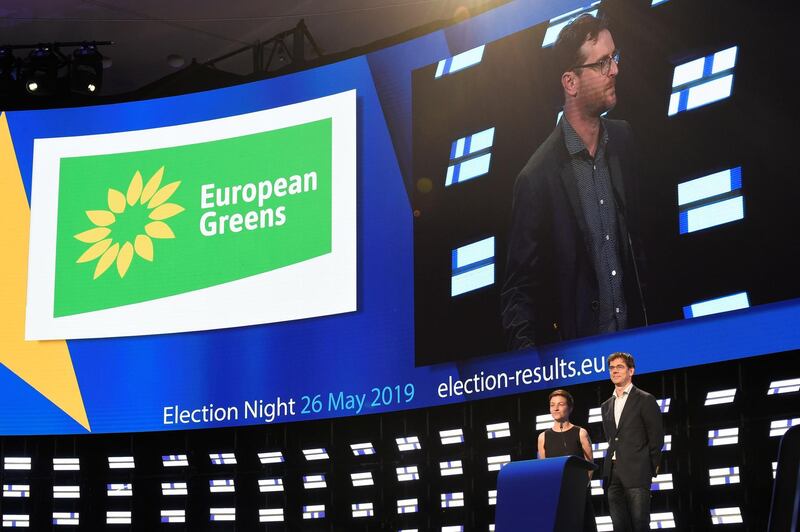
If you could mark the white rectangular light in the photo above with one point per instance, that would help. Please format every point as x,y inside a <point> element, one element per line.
<point>492,497</point>
<point>494,463</point>
<point>780,426</point>
<point>451,468</point>
<point>453,528</point>
<point>458,62</point>
<point>726,516</point>
<point>362,449</point>
<point>662,520</point>
<point>723,437</point>
<point>407,506</point>
<point>221,486</point>
<point>409,443</point>
<point>119,490</point>
<point>662,482</point>
<point>453,500</point>
<point>174,488</point>
<point>774,470</point>
<point>17,490</point>
<point>702,81</point>
<point>362,479</point>
<point>315,454</point>
<point>66,492</point>
<point>712,215</point>
<point>452,436</point>
<point>66,518</point>
<point>173,516</point>
<point>16,520</point>
<point>407,473</point>
<point>597,486</point>
<point>118,518</point>
<point>362,509</point>
<point>720,397</point>
<point>222,458</point>
<point>314,511</point>
<point>313,482</point>
<point>270,515</point>
<point>472,266</point>
<point>603,523</point>
<point>599,449</point>
<point>121,462</point>
<point>667,443</point>
<point>544,421</point>
<point>498,430</point>
<point>663,405</point>
<point>595,416</point>
<point>222,514</point>
<point>785,386</point>
<point>273,457</point>
<point>717,306</point>
<point>723,475</point>
<point>175,460</point>
<point>66,464</point>
<point>17,463</point>
<point>268,485</point>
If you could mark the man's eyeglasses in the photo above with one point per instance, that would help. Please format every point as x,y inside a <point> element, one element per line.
<point>619,367</point>
<point>604,65</point>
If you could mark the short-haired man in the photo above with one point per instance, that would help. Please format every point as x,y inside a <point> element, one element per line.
<point>632,423</point>
<point>571,270</point>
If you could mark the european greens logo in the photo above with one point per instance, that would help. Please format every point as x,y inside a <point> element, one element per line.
<point>108,247</point>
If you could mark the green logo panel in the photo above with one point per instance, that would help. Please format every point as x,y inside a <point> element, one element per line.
<point>244,206</point>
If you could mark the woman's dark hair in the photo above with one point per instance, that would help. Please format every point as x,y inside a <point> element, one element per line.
<point>565,394</point>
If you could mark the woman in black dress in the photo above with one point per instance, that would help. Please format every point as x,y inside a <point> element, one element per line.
<point>565,439</point>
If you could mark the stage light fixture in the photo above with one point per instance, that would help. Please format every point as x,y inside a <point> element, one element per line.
<point>599,449</point>
<point>17,463</point>
<point>222,458</point>
<point>121,462</point>
<point>66,518</point>
<point>319,453</point>
<point>784,386</point>
<point>175,460</point>
<point>603,523</point>
<point>451,468</point>
<point>16,520</point>
<point>492,497</point>
<point>453,528</point>
<point>119,490</point>
<point>494,463</point>
<point>667,443</point>
<point>597,486</point>
<point>662,482</point>
<point>544,421</point>
<point>726,516</point>
<point>595,416</point>
<point>314,511</point>
<point>272,457</point>
<point>362,479</point>
<point>362,449</point>
<point>66,492</point>
<point>314,482</point>
<point>779,427</point>
<point>66,464</point>
<point>362,509</point>
<point>407,506</point>
<point>720,397</point>
<point>86,70</point>
<point>723,475</point>
<point>38,73</point>
<point>498,430</point>
<point>723,437</point>
<point>270,515</point>
<point>663,405</point>
<point>173,516</point>
<point>118,517</point>
<point>662,520</point>
<point>407,473</point>
<point>452,436</point>
<point>458,62</point>
<point>409,443</point>
<point>16,490</point>
<point>268,485</point>
<point>221,486</point>
<point>453,500</point>
<point>174,488</point>
<point>222,514</point>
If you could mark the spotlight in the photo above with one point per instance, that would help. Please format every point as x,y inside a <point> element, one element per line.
<point>39,71</point>
<point>86,70</point>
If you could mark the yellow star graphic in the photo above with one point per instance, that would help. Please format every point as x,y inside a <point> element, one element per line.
<point>45,365</point>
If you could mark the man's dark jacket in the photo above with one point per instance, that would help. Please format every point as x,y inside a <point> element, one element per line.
<point>637,439</point>
<point>550,291</point>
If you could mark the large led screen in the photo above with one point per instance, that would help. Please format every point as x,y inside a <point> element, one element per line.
<point>341,241</point>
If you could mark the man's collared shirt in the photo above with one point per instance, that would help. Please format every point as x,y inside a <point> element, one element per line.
<point>619,404</point>
<point>593,181</point>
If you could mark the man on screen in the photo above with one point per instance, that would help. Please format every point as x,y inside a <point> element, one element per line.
<point>635,433</point>
<point>571,270</point>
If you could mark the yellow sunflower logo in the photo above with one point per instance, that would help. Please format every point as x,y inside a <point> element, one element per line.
<point>130,223</point>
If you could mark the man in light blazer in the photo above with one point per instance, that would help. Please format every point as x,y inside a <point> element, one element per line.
<point>633,426</point>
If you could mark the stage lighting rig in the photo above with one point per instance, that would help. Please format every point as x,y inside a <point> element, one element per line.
<point>86,70</point>
<point>39,73</point>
